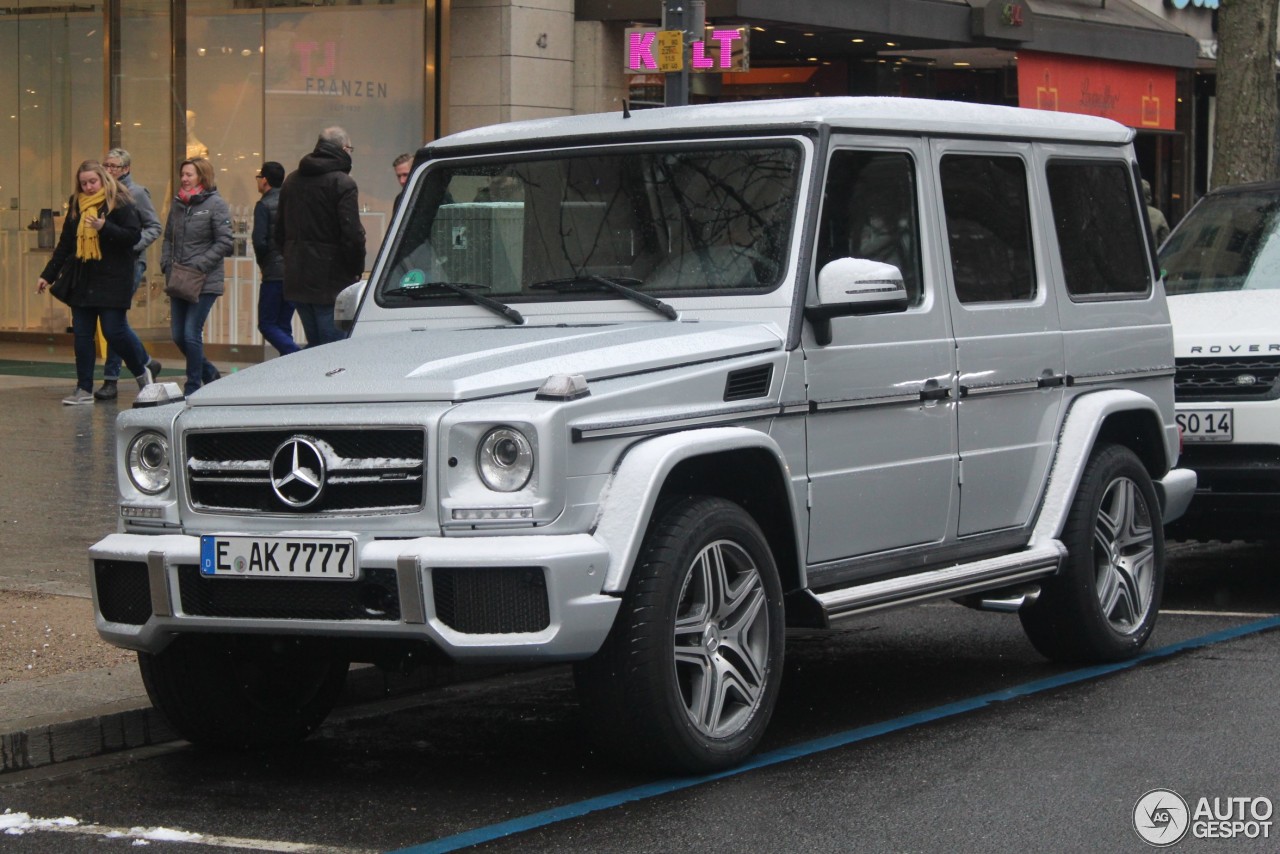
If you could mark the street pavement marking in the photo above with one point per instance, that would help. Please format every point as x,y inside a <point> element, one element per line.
<point>820,745</point>
<point>17,824</point>
<point>1248,615</point>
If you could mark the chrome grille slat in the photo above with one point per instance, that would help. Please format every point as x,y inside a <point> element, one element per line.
<point>368,470</point>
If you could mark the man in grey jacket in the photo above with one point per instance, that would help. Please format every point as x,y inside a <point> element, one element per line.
<point>120,165</point>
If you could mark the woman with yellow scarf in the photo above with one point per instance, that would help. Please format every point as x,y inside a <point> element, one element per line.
<point>98,236</point>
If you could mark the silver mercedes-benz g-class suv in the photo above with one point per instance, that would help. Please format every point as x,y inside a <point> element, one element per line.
<point>640,391</point>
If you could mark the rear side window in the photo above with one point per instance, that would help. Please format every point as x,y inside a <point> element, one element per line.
<point>1099,228</point>
<point>988,227</point>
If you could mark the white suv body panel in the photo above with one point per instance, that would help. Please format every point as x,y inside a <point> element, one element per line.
<point>915,438</point>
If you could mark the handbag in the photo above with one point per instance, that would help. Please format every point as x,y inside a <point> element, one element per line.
<point>185,283</point>
<point>63,286</point>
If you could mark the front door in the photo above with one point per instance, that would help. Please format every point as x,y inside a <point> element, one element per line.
<point>881,428</point>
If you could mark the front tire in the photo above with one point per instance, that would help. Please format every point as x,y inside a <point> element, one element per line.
<point>689,675</point>
<point>1102,606</point>
<point>234,692</point>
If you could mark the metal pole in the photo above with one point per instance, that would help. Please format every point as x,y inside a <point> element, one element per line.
<point>677,82</point>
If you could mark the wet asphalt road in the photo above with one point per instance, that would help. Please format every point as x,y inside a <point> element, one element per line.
<point>1058,770</point>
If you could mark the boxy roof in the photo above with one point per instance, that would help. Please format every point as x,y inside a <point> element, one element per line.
<point>894,115</point>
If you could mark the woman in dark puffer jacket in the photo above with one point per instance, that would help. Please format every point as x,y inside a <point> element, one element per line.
<point>99,233</point>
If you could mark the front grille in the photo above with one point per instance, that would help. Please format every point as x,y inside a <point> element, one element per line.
<point>367,470</point>
<point>1229,378</point>
<point>124,593</point>
<point>374,596</point>
<point>492,600</point>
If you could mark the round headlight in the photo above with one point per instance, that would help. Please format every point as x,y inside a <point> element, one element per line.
<point>505,459</point>
<point>149,463</point>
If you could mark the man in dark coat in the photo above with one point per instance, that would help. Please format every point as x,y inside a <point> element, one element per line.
<point>318,230</point>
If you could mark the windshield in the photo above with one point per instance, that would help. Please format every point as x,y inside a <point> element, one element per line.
<point>1227,243</point>
<point>562,226</point>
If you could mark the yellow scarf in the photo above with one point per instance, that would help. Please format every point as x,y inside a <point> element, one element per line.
<point>87,248</point>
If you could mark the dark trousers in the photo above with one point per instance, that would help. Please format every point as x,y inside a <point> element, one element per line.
<point>111,369</point>
<point>115,328</point>
<point>186,324</point>
<point>275,317</point>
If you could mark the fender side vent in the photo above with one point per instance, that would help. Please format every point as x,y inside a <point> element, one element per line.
<point>748,383</point>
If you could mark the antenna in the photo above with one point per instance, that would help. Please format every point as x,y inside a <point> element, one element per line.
<point>626,114</point>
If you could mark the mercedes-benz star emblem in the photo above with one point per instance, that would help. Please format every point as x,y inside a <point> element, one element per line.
<point>298,472</point>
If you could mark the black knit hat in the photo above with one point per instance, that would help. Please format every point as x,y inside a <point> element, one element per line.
<point>273,172</point>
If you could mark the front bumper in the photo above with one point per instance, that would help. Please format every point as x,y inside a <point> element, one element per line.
<point>147,590</point>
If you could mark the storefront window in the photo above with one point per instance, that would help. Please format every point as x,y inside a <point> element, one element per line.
<point>145,128</point>
<point>263,83</point>
<point>52,119</point>
<point>256,80</point>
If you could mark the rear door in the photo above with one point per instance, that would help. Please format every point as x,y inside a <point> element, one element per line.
<point>1009,349</point>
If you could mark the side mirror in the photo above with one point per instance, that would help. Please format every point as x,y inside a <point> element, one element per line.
<point>346,306</point>
<point>855,286</point>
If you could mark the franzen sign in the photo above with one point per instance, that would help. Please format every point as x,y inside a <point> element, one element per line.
<point>650,50</point>
<point>1198,4</point>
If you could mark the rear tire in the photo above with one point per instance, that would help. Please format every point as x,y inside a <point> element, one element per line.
<point>1102,606</point>
<point>243,692</point>
<point>688,677</point>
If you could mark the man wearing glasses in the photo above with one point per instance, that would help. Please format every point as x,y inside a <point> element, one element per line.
<point>318,231</point>
<point>120,165</point>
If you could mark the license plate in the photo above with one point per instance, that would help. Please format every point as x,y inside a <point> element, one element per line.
<point>278,557</point>
<point>1205,425</point>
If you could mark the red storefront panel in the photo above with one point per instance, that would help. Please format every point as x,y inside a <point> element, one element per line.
<point>1140,96</point>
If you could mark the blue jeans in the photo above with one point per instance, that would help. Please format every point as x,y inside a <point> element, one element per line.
<point>317,322</point>
<point>84,325</point>
<point>275,317</point>
<point>186,324</point>
<point>111,368</point>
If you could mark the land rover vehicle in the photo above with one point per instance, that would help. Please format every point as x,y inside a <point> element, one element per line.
<point>639,391</point>
<point>1222,276</point>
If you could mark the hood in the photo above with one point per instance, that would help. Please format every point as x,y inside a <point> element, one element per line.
<point>1226,323</point>
<point>327,157</point>
<point>465,364</point>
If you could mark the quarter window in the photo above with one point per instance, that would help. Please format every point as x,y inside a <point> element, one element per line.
<point>988,227</point>
<point>1099,228</point>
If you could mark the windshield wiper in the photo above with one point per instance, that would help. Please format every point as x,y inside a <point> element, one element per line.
<point>466,290</point>
<point>615,284</point>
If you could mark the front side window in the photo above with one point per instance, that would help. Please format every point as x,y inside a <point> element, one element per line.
<point>869,211</point>
<point>1099,229</point>
<point>1229,242</point>
<point>988,227</point>
<point>708,220</point>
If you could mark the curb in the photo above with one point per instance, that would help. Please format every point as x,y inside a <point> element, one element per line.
<point>131,724</point>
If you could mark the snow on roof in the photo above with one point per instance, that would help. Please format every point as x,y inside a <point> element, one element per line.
<point>897,115</point>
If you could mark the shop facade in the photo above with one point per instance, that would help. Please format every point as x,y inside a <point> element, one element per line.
<point>245,81</point>
<point>237,81</point>
<point>1140,62</point>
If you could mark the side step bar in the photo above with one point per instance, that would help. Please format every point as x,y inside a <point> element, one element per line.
<point>1032,562</point>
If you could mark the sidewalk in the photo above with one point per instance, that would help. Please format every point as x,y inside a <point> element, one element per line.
<point>57,496</point>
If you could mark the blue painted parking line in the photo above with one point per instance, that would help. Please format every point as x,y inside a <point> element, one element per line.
<point>830,742</point>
